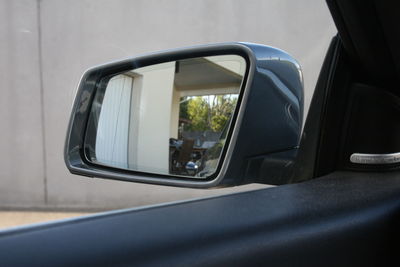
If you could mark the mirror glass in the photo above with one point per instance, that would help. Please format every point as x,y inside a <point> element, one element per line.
<point>170,118</point>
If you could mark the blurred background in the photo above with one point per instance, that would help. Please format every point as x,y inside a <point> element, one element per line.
<point>46,45</point>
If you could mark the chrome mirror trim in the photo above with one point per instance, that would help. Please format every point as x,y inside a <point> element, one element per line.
<point>375,159</point>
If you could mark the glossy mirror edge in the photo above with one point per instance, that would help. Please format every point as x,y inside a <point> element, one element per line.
<point>74,156</point>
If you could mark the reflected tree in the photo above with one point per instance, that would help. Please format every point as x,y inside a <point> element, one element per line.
<point>207,113</point>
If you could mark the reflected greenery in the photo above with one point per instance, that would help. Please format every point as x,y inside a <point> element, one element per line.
<point>207,113</point>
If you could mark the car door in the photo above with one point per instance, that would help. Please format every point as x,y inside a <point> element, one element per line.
<point>339,211</point>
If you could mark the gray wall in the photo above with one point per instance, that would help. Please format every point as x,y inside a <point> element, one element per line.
<point>46,45</point>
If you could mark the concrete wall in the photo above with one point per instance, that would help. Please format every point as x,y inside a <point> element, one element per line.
<point>45,45</point>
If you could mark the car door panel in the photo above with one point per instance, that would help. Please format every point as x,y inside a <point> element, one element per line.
<point>346,219</point>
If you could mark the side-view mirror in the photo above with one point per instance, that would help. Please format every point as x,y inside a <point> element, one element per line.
<point>205,116</point>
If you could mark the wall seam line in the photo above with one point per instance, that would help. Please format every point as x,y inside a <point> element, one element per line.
<point>39,25</point>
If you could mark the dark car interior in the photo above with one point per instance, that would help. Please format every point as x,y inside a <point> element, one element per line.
<point>336,212</point>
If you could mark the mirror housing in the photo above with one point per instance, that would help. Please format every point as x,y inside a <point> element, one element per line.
<point>264,134</point>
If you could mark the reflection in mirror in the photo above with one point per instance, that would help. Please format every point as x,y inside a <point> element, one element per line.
<point>169,118</point>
